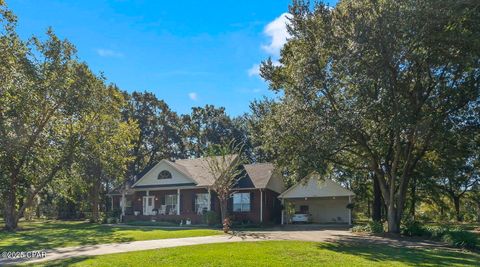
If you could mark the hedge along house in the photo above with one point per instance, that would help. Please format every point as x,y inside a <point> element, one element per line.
<point>322,200</point>
<point>181,190</point>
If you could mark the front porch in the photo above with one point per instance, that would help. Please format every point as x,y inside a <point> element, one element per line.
<point>167,204</point>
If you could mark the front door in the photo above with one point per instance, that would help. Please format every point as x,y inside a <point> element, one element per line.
<point>148,205</point>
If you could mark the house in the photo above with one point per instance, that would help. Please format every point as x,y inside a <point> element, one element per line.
<point>181,189</point>
<point>323,200</point>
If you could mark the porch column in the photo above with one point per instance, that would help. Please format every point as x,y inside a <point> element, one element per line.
<point>178,201</point>
<point>122,202</point>
<point>283,212</point>
<point>349,212</point>
<point>209,200</point>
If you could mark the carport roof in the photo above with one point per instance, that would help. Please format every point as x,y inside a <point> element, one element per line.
<point>313,186</point>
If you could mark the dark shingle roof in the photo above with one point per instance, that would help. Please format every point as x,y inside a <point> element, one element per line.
<point>257,175</point>
<point>260,173</point>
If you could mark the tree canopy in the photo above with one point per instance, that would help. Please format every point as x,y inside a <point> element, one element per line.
<point>373,81</point>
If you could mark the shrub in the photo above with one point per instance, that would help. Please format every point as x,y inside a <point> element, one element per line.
<point>361,228</point>
<point>413,228</point>
<point>376,227</point>
<point>371,227</point>
<point>460,239</point>
<point>150,223</point>
<point>435,231</point>
<point>211,218</point>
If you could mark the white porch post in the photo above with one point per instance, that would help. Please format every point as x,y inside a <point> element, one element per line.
<point>209,200</point>
<point>261,206</point>
<point>283,212</point>
<point>349,212</point>
<point>178,201</point>
<point>122,203</point>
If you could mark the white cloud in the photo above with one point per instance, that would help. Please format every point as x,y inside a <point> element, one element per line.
<point>108,53</point>
<point>277,30</point>
<point>254,70</point>
<point>193,96</point>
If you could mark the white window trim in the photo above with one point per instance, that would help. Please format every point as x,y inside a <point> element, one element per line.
<point>244,206</point>
<point>199,206</point>
<point>171,202</point>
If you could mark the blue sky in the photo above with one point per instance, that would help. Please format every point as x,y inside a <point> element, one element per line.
<point>189,53</point>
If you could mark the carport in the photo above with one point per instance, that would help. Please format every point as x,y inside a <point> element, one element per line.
<point>322,200</point>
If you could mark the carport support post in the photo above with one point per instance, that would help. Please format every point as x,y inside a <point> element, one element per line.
<point>178,201</point>
<point>261,206</point>
<point>349,211</point>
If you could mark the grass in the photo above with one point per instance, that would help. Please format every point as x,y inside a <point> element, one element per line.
<point>53,234</point>
<point>149,223</point>
<point>279,253</point>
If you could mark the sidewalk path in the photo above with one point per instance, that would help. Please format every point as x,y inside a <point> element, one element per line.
<point>100,249</point>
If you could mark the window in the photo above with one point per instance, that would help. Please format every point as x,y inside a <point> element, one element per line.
<point>241,202</point>
<point>171,204</point>
<point>201,203</point>
<point>164,175</point>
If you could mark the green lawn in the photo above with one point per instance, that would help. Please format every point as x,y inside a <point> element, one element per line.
<point>280,253</point>
<point>53,234</point>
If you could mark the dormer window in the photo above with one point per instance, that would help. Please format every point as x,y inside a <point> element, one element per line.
<point>164,175</point>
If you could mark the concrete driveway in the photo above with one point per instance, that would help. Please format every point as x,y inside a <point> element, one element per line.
<point>307,232</point>
<point>340,234</point>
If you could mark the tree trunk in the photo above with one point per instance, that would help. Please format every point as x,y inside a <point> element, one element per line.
<point>38,211</point>
<point>393,219</point>
<point>10,212</point>
<point>377,201</point>
<point>95,202</point>
<point>369,207</point>
<point>413,202</point>
<point>478,211</point>
<point>223,208</point>
<point>456,202</point>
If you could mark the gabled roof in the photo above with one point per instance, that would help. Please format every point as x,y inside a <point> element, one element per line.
<point>263,175</point>
<point>169,163</point>
<point>194,169</point>
<point>259,173</point>
<point>314,186</point>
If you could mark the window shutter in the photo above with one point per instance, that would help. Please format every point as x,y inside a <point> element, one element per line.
<point>230,204</point>
<point>194,196</point>
<point>213,198</point>
<point>181,199</point>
